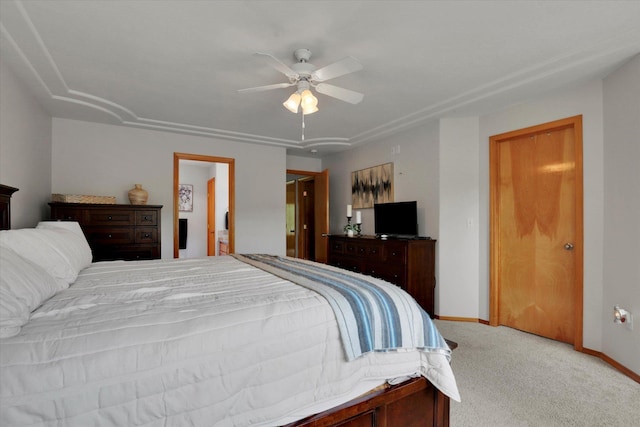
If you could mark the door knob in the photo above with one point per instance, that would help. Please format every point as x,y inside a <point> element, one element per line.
<point>568,246</point>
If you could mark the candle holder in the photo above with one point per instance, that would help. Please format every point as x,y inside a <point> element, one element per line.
<point>349,228</point>
<point>358,228</point>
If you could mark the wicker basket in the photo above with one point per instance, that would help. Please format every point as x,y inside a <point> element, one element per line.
<point>72,198</point>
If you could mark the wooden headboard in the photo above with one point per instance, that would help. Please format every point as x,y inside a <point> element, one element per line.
<point>5,206</point>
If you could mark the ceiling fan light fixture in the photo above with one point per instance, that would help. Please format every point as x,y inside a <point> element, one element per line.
<point>309,110</point>
<point>292,103</point>
<point>308,102</point>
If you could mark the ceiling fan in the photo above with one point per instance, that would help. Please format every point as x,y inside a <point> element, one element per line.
<point>305,75</point>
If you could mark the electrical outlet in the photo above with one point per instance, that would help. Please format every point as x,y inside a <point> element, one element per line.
<point>622,317</point>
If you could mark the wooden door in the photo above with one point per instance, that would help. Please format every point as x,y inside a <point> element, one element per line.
<point>306,218</point>
<point>291,219</point>
<point>211,217</point>
<point>321,207</point>
<point>536,230</point>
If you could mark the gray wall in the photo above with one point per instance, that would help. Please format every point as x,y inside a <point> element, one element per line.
<point>90,158</point>
<point>25,150</point>
<point>415,175</point>
<point>621,266</point>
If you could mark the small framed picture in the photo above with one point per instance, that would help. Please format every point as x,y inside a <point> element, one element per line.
<point>185,195</point>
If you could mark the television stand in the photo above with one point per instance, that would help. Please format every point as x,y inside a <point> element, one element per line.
<point>408,263</point>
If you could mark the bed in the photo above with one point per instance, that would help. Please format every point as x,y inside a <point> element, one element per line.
<point>220,341</point>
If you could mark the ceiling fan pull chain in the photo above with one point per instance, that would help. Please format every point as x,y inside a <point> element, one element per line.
<point>302,114</point>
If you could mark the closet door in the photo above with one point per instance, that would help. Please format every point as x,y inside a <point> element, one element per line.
<point>536,241</point>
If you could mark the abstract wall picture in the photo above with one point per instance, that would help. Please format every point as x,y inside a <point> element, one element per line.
<point>372,185</point>
<point>185,196</point>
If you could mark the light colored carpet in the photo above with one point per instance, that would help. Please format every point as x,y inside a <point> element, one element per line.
<point>511,378</point>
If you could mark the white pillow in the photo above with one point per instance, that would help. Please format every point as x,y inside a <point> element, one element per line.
<point>82,250</point>
<point>62,253</point>
<point>67,225</point>
<point>23,287</point>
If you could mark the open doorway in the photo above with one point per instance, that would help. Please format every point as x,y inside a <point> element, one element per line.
<point>307,214</point>
<point>205,230</point>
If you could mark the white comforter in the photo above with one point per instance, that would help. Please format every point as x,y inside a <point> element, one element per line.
<point>212,342</point>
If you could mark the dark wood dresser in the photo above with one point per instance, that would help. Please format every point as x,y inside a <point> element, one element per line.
<point>5,206</point>
<point>115,232</point>
<point>407,263</point>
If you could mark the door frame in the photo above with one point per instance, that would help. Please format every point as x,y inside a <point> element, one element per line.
<point>232,194</point>
<point>575,123</point>
<point>211,217</point>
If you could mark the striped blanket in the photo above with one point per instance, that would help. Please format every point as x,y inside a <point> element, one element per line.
<point>372,315</point>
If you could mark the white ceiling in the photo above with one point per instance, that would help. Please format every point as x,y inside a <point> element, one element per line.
<point>177,65</point>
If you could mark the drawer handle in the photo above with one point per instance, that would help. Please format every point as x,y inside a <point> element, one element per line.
<point>147,235</point>
<point>146,218</point>
<point>109,236</point>
<point>109,218</point>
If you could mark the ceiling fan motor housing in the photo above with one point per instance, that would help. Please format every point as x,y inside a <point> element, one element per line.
<point>303,69</point>
<point>302,55</point>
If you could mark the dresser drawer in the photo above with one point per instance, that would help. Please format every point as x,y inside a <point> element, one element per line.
<point>110,217</point>
<point>337,247</point>
<point>395,274</point>
<point>346,262</point>
<point>69,214</point>
<point>109,236</point>
<point>361,248</point>
<point>396,253</point>
<point>127,253</point>
<point>146,218</point>
<point>146,235</point>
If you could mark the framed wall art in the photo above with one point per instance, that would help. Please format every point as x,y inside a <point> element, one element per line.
<point>372,185</point>
<point>185,196</point>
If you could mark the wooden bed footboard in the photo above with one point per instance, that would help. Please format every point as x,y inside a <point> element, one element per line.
<point>413,403</point>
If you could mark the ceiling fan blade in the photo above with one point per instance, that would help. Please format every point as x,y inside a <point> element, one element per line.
<point>267,87</point>
<point>344,66</point>
<point>342,94</point>
<point>279,65</point>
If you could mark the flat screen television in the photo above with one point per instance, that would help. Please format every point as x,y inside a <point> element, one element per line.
<point>399,219</point>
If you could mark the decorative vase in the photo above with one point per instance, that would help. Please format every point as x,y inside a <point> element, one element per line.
<point>138,195</point>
